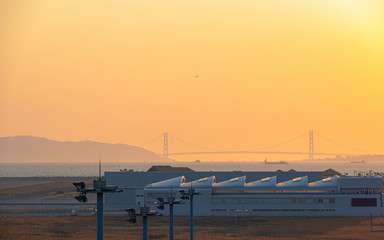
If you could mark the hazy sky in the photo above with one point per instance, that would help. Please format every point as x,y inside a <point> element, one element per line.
<point>125,71</point>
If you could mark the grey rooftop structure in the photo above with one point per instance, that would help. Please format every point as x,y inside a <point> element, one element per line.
<point>134,182</point>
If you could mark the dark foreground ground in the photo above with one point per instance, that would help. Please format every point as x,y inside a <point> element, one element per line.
<point>27,203</point>
<point>205,228</point>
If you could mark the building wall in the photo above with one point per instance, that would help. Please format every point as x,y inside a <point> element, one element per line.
<point>136,181</point>
<point>274,205</point>
<point>334,200</point>
<point>351,197</point>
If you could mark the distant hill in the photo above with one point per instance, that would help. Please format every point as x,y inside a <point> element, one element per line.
<point>37,149</point>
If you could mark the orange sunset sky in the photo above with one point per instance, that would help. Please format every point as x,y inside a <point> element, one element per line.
<point>124,71</point>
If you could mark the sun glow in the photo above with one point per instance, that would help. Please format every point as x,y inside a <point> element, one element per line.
<point>127,71</point>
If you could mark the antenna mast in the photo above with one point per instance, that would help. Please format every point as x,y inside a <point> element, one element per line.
<point>99,169</point>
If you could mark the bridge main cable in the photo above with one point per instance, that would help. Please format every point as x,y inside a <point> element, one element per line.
<point>259,152</point>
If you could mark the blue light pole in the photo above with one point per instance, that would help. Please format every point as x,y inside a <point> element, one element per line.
<point>191,218</point>
<point>144,212</point>
<point>99,187</point>
<point>100,217</point>
<point>189,195</point>
<point>145,227</point>
<point>171,201</point>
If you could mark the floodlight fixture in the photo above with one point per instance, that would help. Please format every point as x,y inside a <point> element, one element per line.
<point>144,212</point>
<point>81,197</point>
<point>132,220</point>
<point>131,215</point>
<point>160,206</point>
<point>131,211</point>
<point>160,203</point>
<point>79,185</point>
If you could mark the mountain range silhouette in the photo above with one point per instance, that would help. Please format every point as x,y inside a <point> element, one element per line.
<point>38,149</point>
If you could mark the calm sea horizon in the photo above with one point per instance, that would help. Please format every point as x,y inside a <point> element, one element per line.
<point>91,169</point>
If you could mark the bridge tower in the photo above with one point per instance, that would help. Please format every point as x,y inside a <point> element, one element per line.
<point>310,157</point>
<point>165,150</point>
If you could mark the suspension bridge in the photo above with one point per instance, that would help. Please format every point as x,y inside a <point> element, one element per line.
<point>310,151</point>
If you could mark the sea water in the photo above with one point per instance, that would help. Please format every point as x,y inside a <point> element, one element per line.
<point>91,169</point>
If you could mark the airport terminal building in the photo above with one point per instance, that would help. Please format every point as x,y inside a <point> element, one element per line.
<point>278,193</point>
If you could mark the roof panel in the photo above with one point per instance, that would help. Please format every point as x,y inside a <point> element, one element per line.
<point>297,182</point>
<point>170,183</point>
<point>206,182</point>
<point>326,182</point>
<point>265,182</point>
<point>234,182</point>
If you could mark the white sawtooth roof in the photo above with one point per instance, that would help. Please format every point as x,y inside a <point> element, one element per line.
<point>169,183</point>
<point>206,182</point>
<point>296,182</point>
<point>233,182</point>
<point>326,182</point>
<point>265,182</point>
